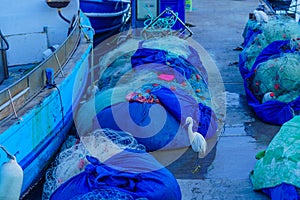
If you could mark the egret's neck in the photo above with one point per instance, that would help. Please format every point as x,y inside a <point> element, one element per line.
<point>190,128</point>
<point>190,132</point>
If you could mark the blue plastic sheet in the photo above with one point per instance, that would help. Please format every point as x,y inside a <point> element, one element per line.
<point>178,105</point>
<point>134,117</point>
<point>160,59</point>
<point>138,124</point>
<point>133,172</point>
<point>282,192</point>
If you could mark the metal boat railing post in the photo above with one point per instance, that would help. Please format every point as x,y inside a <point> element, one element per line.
<point>12,103</point>
<point>60,68</point>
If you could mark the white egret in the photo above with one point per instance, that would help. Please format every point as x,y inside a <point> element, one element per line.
<point>197,141</point>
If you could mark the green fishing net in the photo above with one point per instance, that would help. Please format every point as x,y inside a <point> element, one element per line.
<point>279,75</point>
<point>118,78</point>
<point>281,27</point>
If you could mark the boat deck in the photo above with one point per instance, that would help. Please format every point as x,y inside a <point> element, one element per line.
<point>16,73</point>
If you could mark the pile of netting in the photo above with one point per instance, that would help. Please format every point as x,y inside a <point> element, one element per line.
<point>276,172</point>
<point>280,76</point>
<point>72,161</point>
<point>259,35</point>
<point>108,164</point>
<point>149,88</point>
<point>159,86</point>
<point>269,64</point>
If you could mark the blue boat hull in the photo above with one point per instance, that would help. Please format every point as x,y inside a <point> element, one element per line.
<point>43,123</point>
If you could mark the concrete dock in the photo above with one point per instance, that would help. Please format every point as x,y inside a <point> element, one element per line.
<point>224,172</point>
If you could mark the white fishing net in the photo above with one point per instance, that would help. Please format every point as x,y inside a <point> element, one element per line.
<point>104,194</point>
<point>67,164</point>
<point>101,143</point>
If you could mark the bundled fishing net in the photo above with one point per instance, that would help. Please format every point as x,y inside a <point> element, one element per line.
<point>269,65</point>
<point>280,76</point>
<point>278,166</point>
<point>178,47</point>
<point>166,72</point>
<point>120,72</point>
<point>257,36</point>
<point>116,168</point>
<point>102,143</point>
<point>68,163</point>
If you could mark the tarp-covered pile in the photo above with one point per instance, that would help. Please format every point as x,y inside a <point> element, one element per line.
<point>150,90</point>
<point>277,172</point>
<point>108,164</point>
<point>147,90</point>
<point>270,67</point>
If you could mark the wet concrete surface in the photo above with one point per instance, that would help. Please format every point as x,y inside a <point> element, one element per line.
<point>224,172</point>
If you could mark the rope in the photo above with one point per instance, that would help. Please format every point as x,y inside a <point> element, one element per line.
<point>9,155</point>
<point>165,23</point>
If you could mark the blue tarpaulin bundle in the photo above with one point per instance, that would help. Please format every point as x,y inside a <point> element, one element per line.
<point>178,105</point>
<point>131,174</point>
<point>274,111</point>
<point>186,94</point>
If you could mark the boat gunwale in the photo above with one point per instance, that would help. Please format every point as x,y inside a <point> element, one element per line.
<point>115,14</point>
<point>60,56</point>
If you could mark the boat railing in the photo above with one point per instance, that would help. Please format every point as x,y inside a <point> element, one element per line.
<point>109,14</point>
<point>15,96</point>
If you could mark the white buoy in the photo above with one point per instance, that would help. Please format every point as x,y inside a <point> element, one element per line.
<point>11,178</point>
<point>268,97</point>
<point>197,141</point>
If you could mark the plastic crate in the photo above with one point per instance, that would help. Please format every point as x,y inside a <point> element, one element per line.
<point>177,7</point>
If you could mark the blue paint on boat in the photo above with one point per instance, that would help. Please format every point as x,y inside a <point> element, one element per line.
<point>35,135</point>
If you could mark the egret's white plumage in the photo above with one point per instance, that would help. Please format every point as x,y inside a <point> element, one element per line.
<point>197,141</point>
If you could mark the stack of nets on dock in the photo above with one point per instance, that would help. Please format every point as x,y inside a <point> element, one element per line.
<point>280,76</point>
<point>277,172</point>
<point>269,63</point>
<point>148,88</point>
<point>108,164</point>
<point>259,35</point>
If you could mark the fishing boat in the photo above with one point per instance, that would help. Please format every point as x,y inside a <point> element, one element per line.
<point>44,62</point>
<point>106,16</point>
